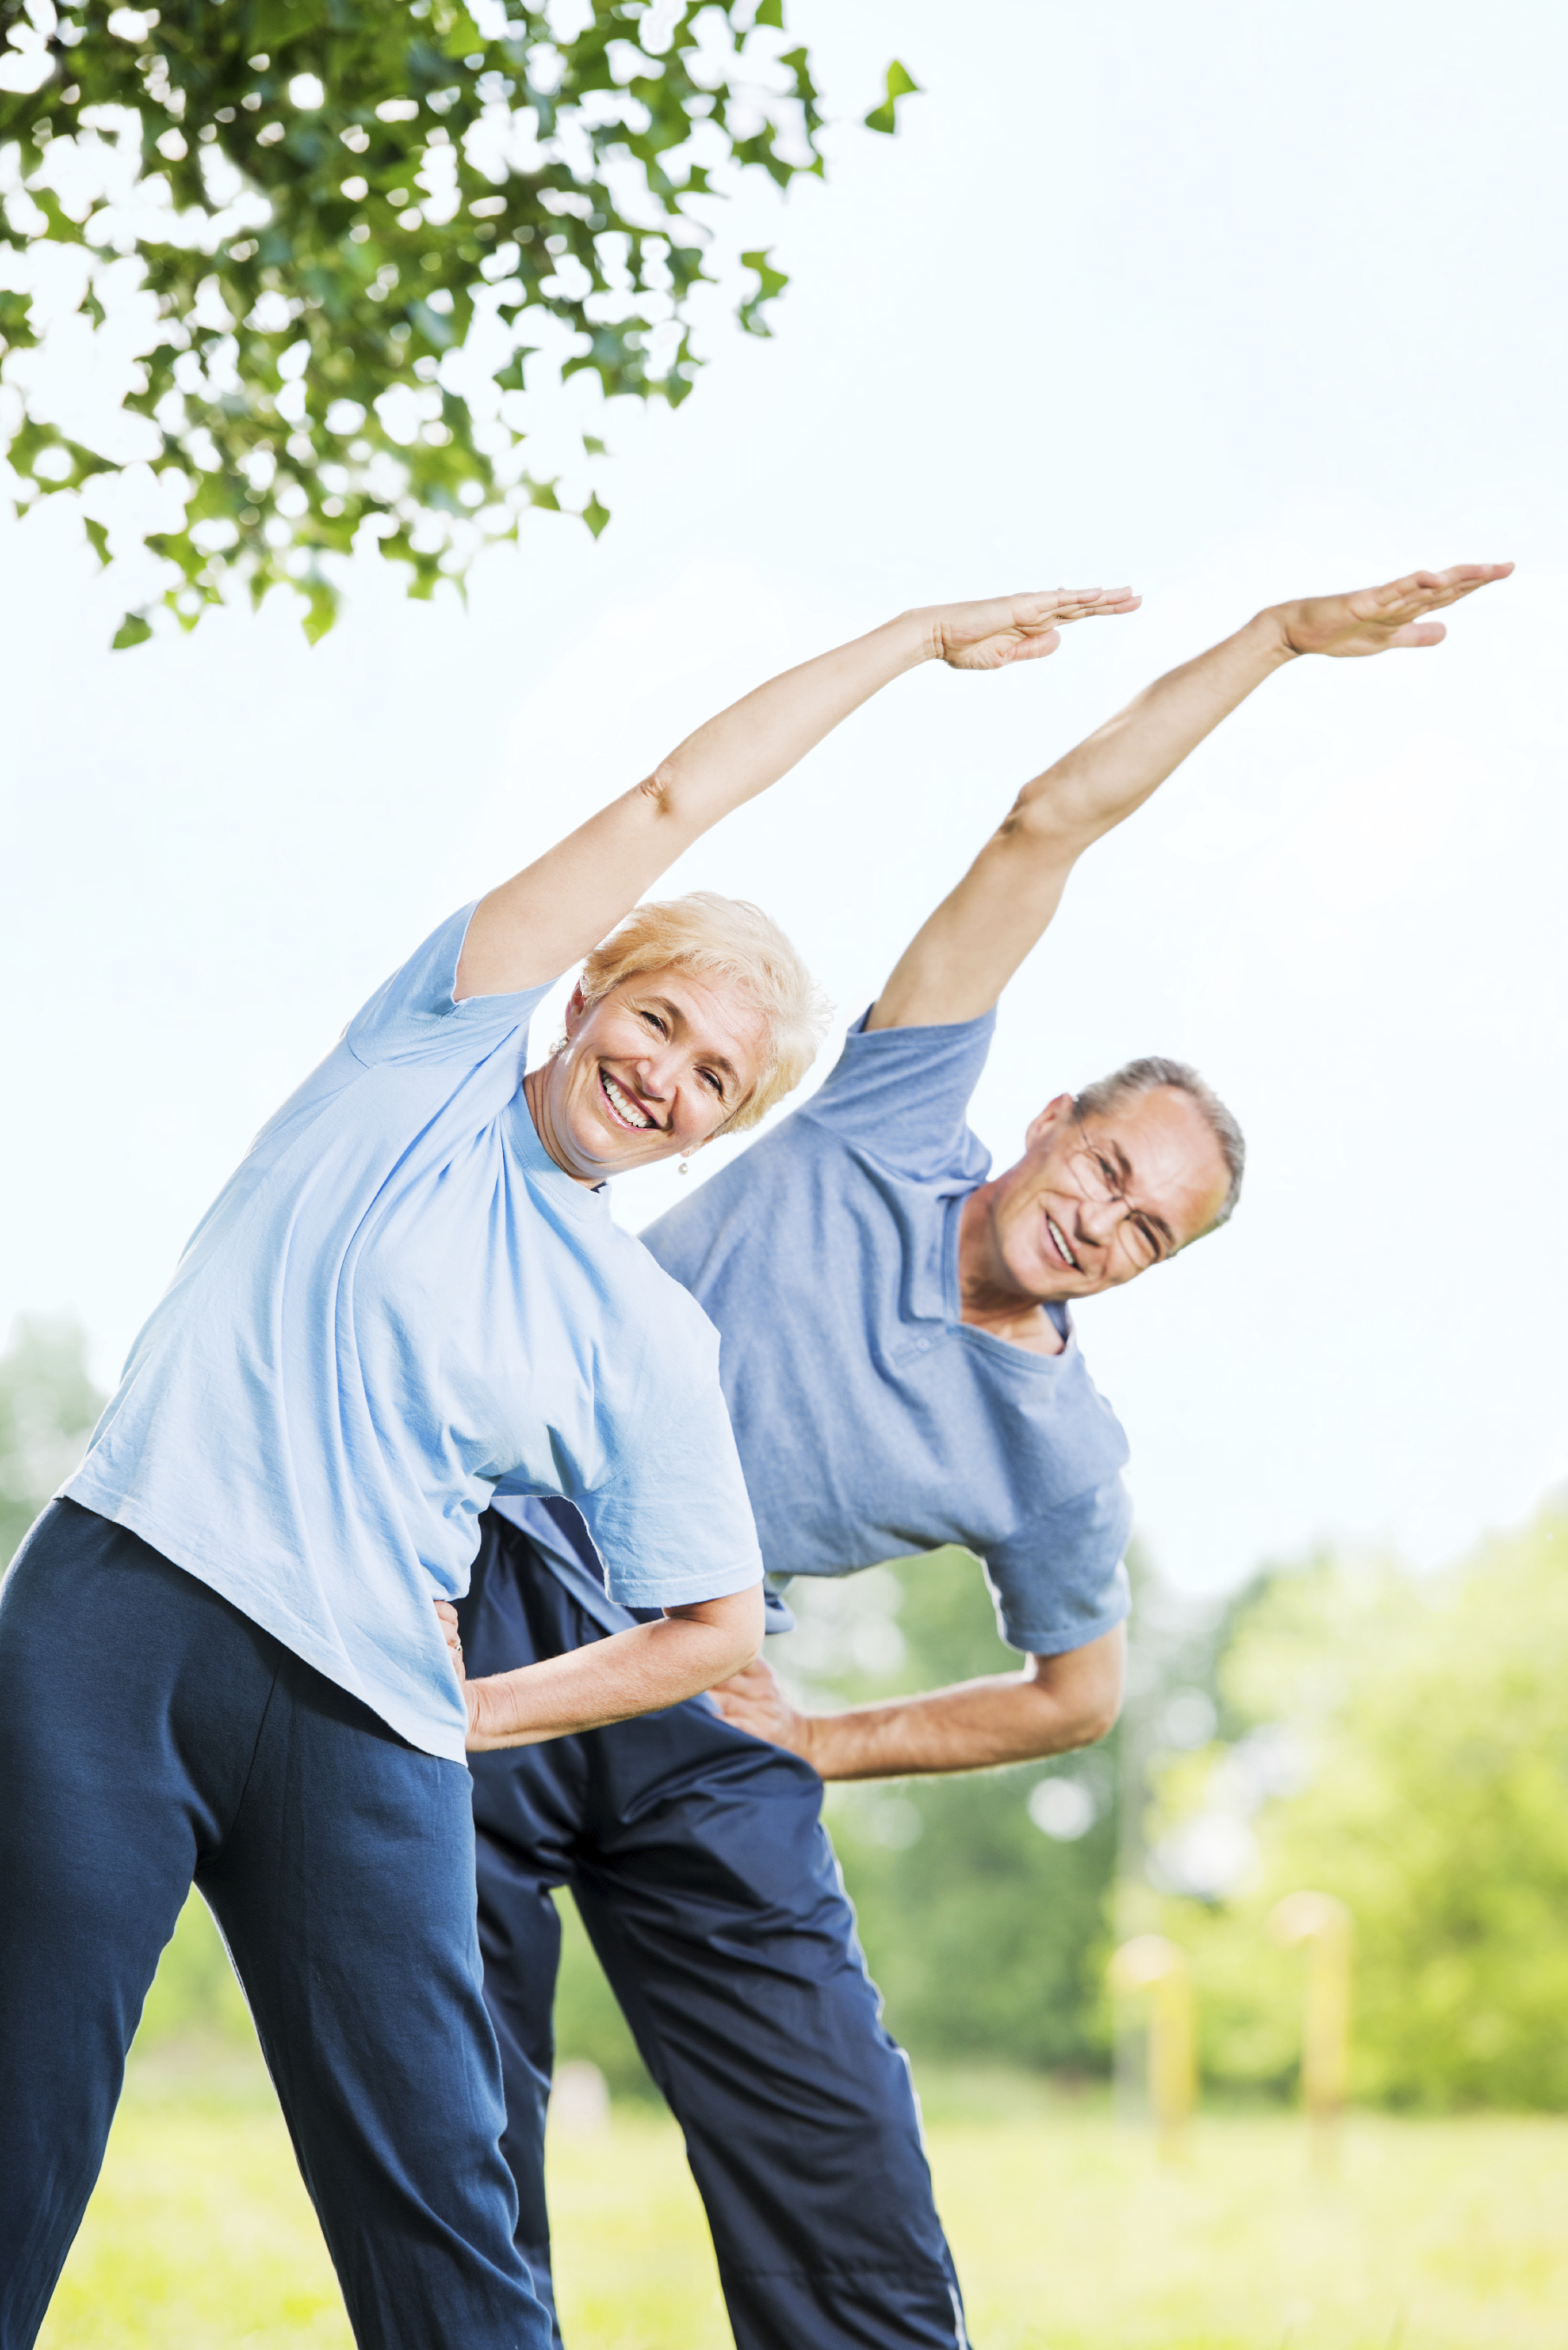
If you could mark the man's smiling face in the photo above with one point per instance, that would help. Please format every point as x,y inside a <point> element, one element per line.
<point>651,1069</point>
<point>1092,1203</point>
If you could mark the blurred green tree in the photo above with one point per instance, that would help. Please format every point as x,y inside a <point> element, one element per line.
<point>329,229</point>
<point>47,1407</point>
<point>981,1904</point>
<point>1407,1752</point>
<point>981,1897</point>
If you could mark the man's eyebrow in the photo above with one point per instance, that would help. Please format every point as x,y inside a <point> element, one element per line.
<point>677,1017</point>
<point>1124,1170</point>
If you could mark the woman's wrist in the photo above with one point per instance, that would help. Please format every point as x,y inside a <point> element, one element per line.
<point>917,635</point>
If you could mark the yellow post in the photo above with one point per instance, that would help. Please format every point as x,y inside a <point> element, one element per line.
<point>1324,1924</point>
<point>1148,1962</point>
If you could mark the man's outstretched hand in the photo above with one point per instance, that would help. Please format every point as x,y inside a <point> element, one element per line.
<point>1375,619</point>
<point>1007,629</point>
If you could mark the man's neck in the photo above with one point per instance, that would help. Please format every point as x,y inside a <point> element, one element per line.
<point>988,1299</point>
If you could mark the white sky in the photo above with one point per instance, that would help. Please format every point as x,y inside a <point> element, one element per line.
<point>1235,303</point>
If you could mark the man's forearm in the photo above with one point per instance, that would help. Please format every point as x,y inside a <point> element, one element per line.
<point>974,1726</point>
<point>960,959</point>
<point>1110,774</point>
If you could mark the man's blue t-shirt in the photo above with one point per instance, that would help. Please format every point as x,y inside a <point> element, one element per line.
<point>397,1302</point>
<point>872,1421</point>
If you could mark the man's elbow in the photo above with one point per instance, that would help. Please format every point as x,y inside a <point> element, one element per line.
<point>1097,1717</point>
<point>1084,1705</point>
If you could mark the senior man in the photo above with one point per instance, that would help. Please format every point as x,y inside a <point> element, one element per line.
<point>902,1372</point>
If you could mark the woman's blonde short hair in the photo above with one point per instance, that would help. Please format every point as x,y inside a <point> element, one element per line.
<point>725,939</point>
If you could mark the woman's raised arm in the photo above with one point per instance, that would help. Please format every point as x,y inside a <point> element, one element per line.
<point>547,917</point>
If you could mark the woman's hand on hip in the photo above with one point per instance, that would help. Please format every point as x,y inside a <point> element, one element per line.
<point>447,1614</point>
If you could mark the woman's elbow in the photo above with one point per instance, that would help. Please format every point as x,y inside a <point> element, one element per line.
<point>732,1630</point>
<point>744,1627</point>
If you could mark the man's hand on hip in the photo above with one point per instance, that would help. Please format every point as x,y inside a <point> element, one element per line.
<point>755,1702</point>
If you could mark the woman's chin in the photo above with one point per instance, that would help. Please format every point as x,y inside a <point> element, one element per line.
<point>601,1144</point>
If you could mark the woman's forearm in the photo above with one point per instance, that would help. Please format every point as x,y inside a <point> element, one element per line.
<point>637,1672</point>
<point>548,916</point>
<point>553,912</point>
<point>749,747</point>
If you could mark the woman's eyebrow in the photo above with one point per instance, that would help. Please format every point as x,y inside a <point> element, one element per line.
<point>679,1019</point>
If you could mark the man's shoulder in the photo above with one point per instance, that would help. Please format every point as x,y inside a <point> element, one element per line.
<point>1053,1406</point>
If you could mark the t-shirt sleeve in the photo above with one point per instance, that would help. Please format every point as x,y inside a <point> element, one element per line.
<point>412,1016</point>
<point>903,1094</point>
<point>671,1518</point>
<point>1061,1581</point>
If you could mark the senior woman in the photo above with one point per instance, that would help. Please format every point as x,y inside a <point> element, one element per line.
<point>221,1654</point>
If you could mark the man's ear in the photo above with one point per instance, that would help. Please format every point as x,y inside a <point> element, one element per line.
<point>1054,1113</point>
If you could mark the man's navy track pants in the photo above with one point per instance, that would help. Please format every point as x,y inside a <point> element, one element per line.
<point>698,1859</point>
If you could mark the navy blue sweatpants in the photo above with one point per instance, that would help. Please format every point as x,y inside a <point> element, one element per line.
<point>151,1735</point>
<point>698,1859</point>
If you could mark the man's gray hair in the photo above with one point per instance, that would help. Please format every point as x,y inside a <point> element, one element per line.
<point>1146,1077</point>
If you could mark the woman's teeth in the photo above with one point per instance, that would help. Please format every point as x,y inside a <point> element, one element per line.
<point>624,1109</point>
<point>1059,1238</point>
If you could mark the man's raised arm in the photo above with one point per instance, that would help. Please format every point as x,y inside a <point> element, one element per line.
<point>959,961</point>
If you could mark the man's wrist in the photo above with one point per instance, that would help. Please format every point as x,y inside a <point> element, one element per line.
<point>810,1744</point>
<point>486,1724</point>
<point>1269,629</point>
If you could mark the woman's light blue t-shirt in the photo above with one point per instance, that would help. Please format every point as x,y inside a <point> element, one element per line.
<point>398,1302</point>
<point>872,1421</point>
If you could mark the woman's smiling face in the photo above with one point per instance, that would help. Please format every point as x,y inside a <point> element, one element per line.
<point>651,1070</point>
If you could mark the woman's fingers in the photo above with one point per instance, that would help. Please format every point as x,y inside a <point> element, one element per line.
<point>1023,627</point>
<point>447,1614</point>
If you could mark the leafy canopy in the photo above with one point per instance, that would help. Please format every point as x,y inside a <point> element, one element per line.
<point>326,201</point>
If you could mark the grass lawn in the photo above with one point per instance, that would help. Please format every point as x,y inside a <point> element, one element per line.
<point>1435,2236</point>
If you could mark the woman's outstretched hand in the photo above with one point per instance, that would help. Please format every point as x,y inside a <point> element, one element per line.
<point>1007,629</point>
<point>1377,620</point>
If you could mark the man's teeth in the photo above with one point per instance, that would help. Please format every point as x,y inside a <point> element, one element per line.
<point>1057,1234</point>
<point>620,1103</point>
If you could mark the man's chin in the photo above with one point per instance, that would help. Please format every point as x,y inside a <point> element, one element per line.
<point>1046,1284</point>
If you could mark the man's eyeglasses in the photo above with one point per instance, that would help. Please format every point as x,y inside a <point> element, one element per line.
<point>1098,1178</point>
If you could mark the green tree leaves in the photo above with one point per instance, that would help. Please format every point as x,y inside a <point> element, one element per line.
<point>326,199</point>
<point>901,84</point>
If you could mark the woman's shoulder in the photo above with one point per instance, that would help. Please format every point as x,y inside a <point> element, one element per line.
<point>656,1296</point>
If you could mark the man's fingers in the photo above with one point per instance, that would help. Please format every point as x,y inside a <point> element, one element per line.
<point>1419,632</point>
<point>1427,591</point>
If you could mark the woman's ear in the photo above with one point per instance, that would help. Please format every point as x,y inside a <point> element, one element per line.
<point>576,1006</point>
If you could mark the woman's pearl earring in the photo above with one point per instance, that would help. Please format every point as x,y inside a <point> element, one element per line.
<point>685,1167</point>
